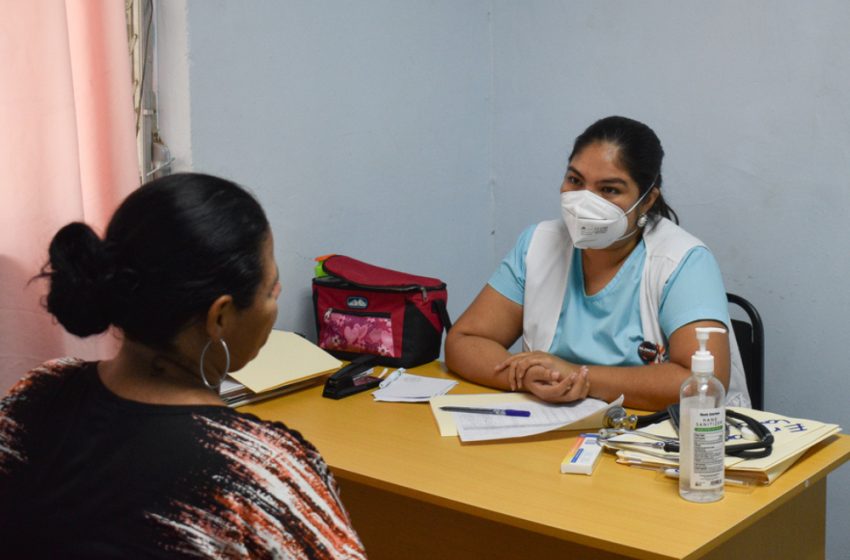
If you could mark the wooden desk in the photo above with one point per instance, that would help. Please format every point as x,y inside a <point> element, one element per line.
<point>413,494</point>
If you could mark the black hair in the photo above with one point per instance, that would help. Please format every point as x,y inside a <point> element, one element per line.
<point>172,248</point>
<point>639,153</point>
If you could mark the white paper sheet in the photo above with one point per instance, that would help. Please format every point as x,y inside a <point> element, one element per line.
<point>544,417</point>
<point>414,388</point>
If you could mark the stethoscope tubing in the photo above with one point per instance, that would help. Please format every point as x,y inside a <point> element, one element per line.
<point>748,450</point>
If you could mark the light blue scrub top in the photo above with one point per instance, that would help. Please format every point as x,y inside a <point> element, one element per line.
<point>605,328</point>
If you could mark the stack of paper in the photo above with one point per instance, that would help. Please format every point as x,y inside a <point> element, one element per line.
<point>586,414</point>
<point>414,388</point>
<point>287,362</point>
<point>235,394</point>
<point>792,438</point>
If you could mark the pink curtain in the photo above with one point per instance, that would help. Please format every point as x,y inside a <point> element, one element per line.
<point>67,153</point>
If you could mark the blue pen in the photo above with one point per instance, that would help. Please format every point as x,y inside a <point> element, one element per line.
<point>497,411</point>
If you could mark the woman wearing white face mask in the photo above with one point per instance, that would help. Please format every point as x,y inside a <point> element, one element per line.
<point>607,299</point>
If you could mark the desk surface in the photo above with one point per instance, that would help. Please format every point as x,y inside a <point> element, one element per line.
<point>397,447</point>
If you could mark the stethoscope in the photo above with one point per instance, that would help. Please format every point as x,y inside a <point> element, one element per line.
<point>618,423</point>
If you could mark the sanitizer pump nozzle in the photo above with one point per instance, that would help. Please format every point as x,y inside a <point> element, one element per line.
<point>703,361</point>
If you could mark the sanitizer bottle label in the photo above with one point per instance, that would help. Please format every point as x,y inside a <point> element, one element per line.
<point>709,433</point>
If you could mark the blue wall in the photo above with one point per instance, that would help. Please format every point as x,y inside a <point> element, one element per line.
<point>362,127</point>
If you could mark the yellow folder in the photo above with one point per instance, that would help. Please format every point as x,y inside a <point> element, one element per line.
<point>286,358</point>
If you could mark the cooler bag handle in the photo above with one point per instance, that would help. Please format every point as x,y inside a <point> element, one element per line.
<point>438,306</point>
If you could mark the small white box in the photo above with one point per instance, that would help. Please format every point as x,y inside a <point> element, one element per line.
<point>583,457</point>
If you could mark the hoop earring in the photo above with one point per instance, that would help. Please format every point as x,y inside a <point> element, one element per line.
<point>217,386</point>
<point>641,221</point>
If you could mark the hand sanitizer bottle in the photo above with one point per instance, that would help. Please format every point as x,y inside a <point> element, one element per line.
<point>702,428</point>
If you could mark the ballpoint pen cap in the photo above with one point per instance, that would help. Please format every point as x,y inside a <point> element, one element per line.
<point>391,377</point>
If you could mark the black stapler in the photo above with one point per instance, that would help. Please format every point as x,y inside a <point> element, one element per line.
<point>345,382</point>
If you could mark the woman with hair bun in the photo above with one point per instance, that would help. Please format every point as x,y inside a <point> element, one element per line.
<point>607,300</point>
<point>137,456</point>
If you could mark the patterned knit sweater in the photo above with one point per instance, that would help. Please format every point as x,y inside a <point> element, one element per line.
<point>87,474</point>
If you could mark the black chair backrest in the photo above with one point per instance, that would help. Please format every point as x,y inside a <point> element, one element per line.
<point>750,338</point>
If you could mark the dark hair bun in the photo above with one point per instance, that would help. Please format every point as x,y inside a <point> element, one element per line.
<point>173,247</point>
<point>79,273</point>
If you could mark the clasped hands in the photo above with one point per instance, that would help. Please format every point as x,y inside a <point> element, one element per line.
<point>546,376</point>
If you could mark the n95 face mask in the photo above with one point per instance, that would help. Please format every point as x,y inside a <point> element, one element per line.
<point>593,222</point>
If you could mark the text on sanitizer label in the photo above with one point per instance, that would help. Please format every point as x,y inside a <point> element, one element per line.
<point>709,431</point>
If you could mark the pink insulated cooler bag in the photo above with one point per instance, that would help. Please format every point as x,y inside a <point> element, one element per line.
<point>364,309</point>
